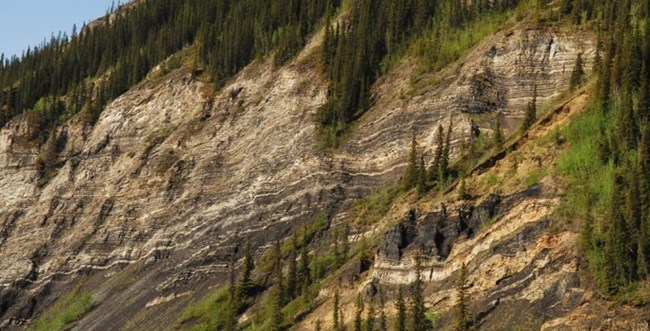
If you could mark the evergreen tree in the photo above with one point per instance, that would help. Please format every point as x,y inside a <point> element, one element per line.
<point>304,271</point>
<point>292,276</point>
<point>276,302</point>
<point>421,177</point>
<point>443,167</point>
<point>643,245</point>
<point>400,306</point>
<point>277,274</point>
<point>626,126</point>
<point>419,320</point>
<point>604,82</point>
<point>245,282</point>
<point>383,321</point>
<point>616,266</point>
<point>498,138</point>
<point>462,314</point>
<point>346,243</point>
<point>635,247</point>
<point>358,315</point>
<point>438,155</point>
<point>230,318</point>
<point>531,112</point>
<point>335,312</point>
<point>370,317</point>
<point>578,73</point>
<point>462,190</point>
<point>643,112</point>
<point>598,59</point>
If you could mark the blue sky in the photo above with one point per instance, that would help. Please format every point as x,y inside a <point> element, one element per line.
<point>27,22</point>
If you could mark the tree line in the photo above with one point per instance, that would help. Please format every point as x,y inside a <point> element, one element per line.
<point>87,69</point>
<point>356,48</point>
<point>617,244</point>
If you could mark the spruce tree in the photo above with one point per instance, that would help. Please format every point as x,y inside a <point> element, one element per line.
<point>626,125</point>
<point>292,275</point>
<point>275,304</point>
<point>616,264</point>
<point>245,282</point>
<point>498,138</point>
<point>578,73</point>
<point>421,175</point>
<point>383,321</point>
<point>598,58</point>
<point>370,317</point>
<point>230,318</point>
<point>438,155</point>
<point>400,306</point>
<point>634,222</point>
<point>462,312</point>
<point>462,190</point>
<point>443,167</point>
<point>531,112</point>
<point>358,315</point>
<point>643,248</point>
<point>604,85</point>
<point>304,270</point>
<point>419,320</point>
<point>643,112</point>
<point>345,250</point>
<point>277,273</point>
<point>335,312</point>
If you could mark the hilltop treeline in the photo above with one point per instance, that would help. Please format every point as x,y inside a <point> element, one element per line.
<point>87,69</point>
<point>356,48</point>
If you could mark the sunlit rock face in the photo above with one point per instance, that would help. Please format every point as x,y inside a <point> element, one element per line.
<point>147,205</point>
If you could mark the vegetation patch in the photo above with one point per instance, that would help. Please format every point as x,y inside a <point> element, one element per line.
<point>67,310</point>
<point>373,208</point>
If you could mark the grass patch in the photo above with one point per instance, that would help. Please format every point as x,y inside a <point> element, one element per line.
<point>207,314</point>
<point>532,179</point>
<point>442,45</point>
<point>435,49</point>
<point>491,180</point>
<point>373,208</point>
<point>67,310</point>
<point>588,178</point>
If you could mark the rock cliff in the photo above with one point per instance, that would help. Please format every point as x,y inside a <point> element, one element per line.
<point>145,207</point>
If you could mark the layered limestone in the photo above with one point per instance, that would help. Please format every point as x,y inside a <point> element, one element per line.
<point>146,206</point>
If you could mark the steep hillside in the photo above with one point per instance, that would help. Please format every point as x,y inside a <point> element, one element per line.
<point>140,218</point>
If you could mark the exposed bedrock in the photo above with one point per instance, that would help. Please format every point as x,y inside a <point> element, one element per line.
<point>172,179</point>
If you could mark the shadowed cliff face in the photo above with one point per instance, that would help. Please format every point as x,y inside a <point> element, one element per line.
<point>517,265</point>
<point>148,205</point>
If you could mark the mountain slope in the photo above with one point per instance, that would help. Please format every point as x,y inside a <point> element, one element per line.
<point>144,211</point>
